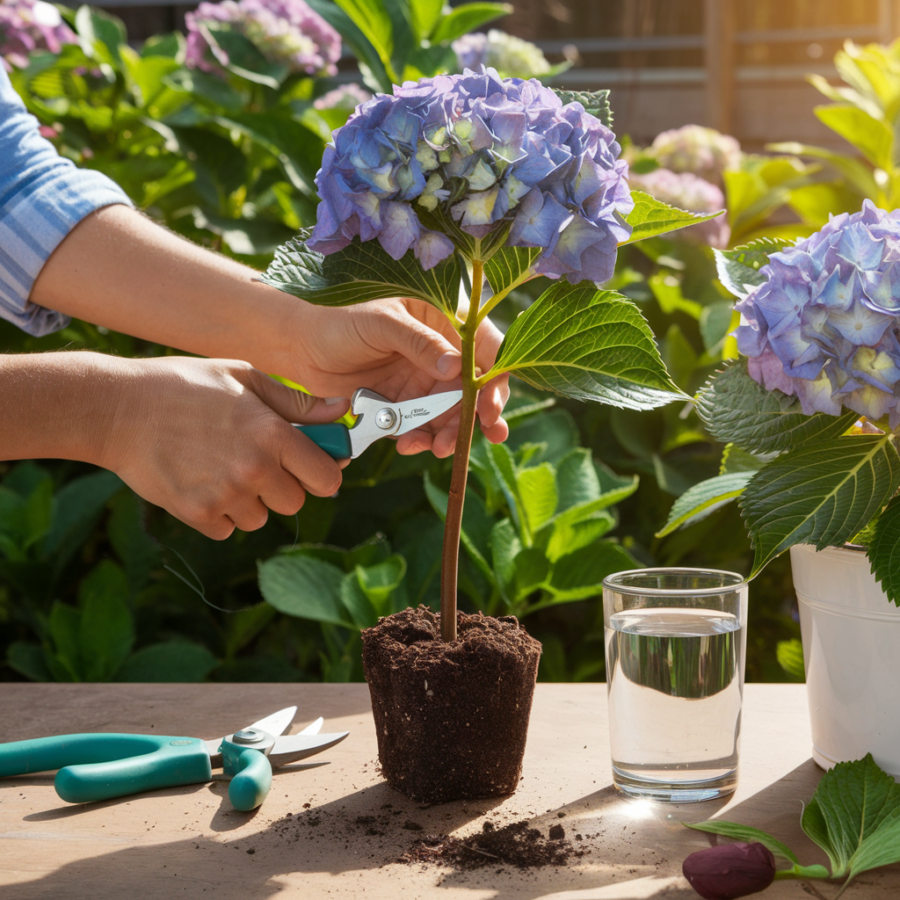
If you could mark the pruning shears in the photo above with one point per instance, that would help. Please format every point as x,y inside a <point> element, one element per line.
<point>102,766</point>
<point>377,418</point>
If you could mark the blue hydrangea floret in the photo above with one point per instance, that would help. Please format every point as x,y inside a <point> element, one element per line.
<point>825,324</point>
<point>487,153</point>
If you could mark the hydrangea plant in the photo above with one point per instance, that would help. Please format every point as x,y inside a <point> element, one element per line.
<point>27,26</point>
<point>494,182</point>
<point>701,151</point>
<point>511,56</point>
<point>809,413</point>
<point>287,33</point>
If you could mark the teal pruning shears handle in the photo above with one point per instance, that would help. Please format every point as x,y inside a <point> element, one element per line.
<point>103,766</point>
<point>252,776</point>
<point>334,438</point>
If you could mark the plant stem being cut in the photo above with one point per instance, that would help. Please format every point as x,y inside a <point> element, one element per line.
<point>459,477</point>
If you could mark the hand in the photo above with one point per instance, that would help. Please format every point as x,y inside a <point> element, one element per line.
<point>401,349</point>
<point>210,441</point>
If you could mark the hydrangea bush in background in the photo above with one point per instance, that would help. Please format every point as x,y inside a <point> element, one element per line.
<point>704,152</point>
<point>820,322</point>
<point>27,26</point>
<point>509,55</point>
<point>494,181</point>
<point>287,32</point>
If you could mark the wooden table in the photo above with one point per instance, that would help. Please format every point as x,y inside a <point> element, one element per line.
<point>334,830</point>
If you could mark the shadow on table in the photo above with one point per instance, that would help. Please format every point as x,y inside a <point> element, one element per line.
<point>640,846</point>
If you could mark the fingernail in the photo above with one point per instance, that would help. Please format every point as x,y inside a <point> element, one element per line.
<point>447,363</point>
<point>333,401</point>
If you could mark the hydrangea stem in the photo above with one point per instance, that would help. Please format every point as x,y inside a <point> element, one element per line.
<point>459,477</point>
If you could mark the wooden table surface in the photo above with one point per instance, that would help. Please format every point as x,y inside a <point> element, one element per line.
<point>336,830</point>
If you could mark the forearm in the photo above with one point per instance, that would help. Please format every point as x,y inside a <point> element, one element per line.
<point>120,270</point>
<point>58,405</point>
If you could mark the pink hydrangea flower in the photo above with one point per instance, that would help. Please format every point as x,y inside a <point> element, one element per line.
<point>27,26</point>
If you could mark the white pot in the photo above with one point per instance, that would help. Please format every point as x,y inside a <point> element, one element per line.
<point>851,651</point>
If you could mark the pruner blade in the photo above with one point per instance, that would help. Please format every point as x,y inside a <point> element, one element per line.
<point>379,418</point>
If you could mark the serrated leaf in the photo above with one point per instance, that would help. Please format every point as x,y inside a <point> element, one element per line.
<point>703,499</point>
<point>819,495</point>
<point>588,345</point>
<point>734,459</point>
<point>564,536</point>
<point>360,272</point>
<point>738,269</point>
<point>304,586</point>
<point>748,834</point>
<point>884,551</point>
<point>854,816</point>
<point>651,217</point>
<point>737,409</point>
<point>595,103</point>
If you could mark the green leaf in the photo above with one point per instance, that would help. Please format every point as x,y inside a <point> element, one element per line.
<point>356,602</point>
<point>565,535</point>
<point>303,586</point>
<point>738,269</point>
<point>854,816</point>
<point>537,490</point>
<point>734,459</point>
<point>854,170</point>
<point>703,499</point>
<point>651,217</point>
<point>505,546</point>
<point>884,551</point>
<point>468,17</point>
<point>595,103</point>
<point>243,625</point>
<point>819,495</point>
<point>174,661</point>
<point>576,479</point>
<point>790,657</point>
<point>531,570</point>
<point>100,34</point>
<point>667,290</point>
<point>378,582</point>
<point>873,138</point>
<point>372,19</point>
<point>106,628</point>
<point>579,575</point>
<point>208,88</point>
<point>360,272</point>
<point>78,504</point>
<point>146,76</point>
<point>28,659</point>
<point>588,345</point>
<point>737,409</point>
<point>504,466</point>
<point>748,834</point>
<point>510,267</point>
<point>425,15</point>
<point>241,56</point>
<point>138,551</point>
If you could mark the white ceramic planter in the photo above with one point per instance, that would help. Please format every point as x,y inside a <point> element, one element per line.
<point>851,651</point>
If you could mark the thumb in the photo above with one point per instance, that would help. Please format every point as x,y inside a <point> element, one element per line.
<point>424,347</point>
<point>297,407</point>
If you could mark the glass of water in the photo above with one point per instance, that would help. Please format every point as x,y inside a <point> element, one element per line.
<point>675,649</point>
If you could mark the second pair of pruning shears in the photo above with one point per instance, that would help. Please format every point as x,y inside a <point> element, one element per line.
<point>377,418</point>
<point>102,766</point>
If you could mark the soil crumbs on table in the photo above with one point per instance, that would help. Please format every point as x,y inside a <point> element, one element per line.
<point>518,844</point>
<point>388,835</point>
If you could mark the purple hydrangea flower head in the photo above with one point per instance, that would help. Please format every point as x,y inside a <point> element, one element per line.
<point>27,26</point>
<point>825,324</point>
<point>509,55</point>
<point>702,151</point>
<point>688,191</point>
<point>288,32</point>
<point>486,152</point>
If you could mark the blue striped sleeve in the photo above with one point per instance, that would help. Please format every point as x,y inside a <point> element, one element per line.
<point>42,198</point>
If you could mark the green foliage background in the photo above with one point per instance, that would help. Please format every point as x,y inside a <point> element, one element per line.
<point>96,585</point>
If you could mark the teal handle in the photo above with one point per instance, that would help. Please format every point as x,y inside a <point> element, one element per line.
<point>103,766</point>
<point>252,779</point>
<point>334,438</point>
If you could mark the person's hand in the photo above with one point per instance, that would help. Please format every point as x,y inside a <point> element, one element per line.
<point>210,441</point>
<point>400,349</point>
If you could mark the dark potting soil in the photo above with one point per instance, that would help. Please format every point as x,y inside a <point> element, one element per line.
<point>518,844</point>
<point>451,718</point>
